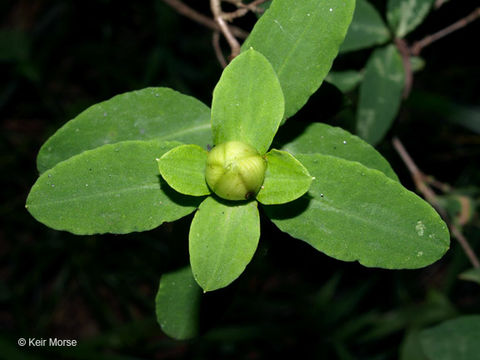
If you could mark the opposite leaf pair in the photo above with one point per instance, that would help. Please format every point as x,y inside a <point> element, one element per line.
<point>247,110</point>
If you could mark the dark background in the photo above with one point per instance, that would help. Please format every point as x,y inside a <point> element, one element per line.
<point>58,57</point>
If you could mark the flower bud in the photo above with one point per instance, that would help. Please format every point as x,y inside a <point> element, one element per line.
<point>235,171</point>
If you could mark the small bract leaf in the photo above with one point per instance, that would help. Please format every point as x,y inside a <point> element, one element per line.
<point>405,15</point>
<point>367,28</point>
<point>286,179</point>
<point>115,188</point>
<point>247,103</point>
<point>223,238</point>
<point>453,339</point>
<point>380,94</point>
<point>329,140</point>
<point>151,113</point>
<point>352,213</point>
<point>177,304</point>
<point>301,42</point>
<point>183,168</point>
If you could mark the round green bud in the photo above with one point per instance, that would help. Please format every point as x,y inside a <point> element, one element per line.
<point>235,171</point>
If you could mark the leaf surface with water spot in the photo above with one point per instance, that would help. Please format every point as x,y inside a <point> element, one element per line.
<point>352,213</point>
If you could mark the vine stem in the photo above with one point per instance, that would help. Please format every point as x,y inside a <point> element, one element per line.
<point>419,45</point>
<point>216,7</point>
<point>404,50</point>
<point>420,180</point>
<point>194,15</point>
<point>218,50</point>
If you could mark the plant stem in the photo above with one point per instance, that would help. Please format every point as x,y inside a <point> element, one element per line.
<point>420,180</point>
<point>218,49</point>
<point>218,16</point>
<point>404,50</point>
<point>194,15</point>
<point>419,45</point>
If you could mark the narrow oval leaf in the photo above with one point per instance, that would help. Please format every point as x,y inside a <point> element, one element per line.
<point>177,304</point>
<point>454,339</point>
<point>355,213</point>
<point>367,28</point>
<point>329,140</point>
<point>247,103</point>
<point>183,168</point>
<point>115,188</point>
<point>345,81</point>
<point>286,179</point>
<point>405,15</point>
<point>380,94</point>
<point>223,238</point>
<point>471,275</point>
<point>301,41</point>
<point>151,113</point>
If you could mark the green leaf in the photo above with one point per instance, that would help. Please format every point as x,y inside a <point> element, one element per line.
<point>111,189</point>
<point>247,103</point>
<point>345,81</point>
<point>355,213</point>
<point>177,304</point>
<point>453,339</point>
<point>301,42</point>
<point>328,140</point>
<point>366,30</point>
<point>14,45</point>
<point>443,108</point>
<point>183,168</point>
<point>405,15</point>
<point>151,113</point>
<point>411,348</point>
<point>286,179</point>
<point>223,238</point>
<point>380,94</point>
<point>471,275</point>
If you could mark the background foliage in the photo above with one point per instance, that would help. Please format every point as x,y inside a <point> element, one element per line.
<point>291,300</point>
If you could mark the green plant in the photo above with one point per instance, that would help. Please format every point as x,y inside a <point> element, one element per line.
<point>326,187</point>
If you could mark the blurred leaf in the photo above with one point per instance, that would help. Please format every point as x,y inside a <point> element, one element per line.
<point>442,107</point>
<point>471,275</point>
<point>151,113</point>
<point>247,103</point>
<point>14,45</point>
<point>112,189</point>
<point>417,63</point>
<point>355,213</point>
<point>405,15</point>
<point>222,241</point>
<point>460,208</point>
<point>411,348</point>
<point>329,140</point>
<point>178,304</point>
<point>301,42</point>
<point>366,30</point>
<point>456,339</point>
<point>286,179</point>
<point>345,81</point>
<point>436,307</point>
<point>380,94</point>
<point>183,168</point>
